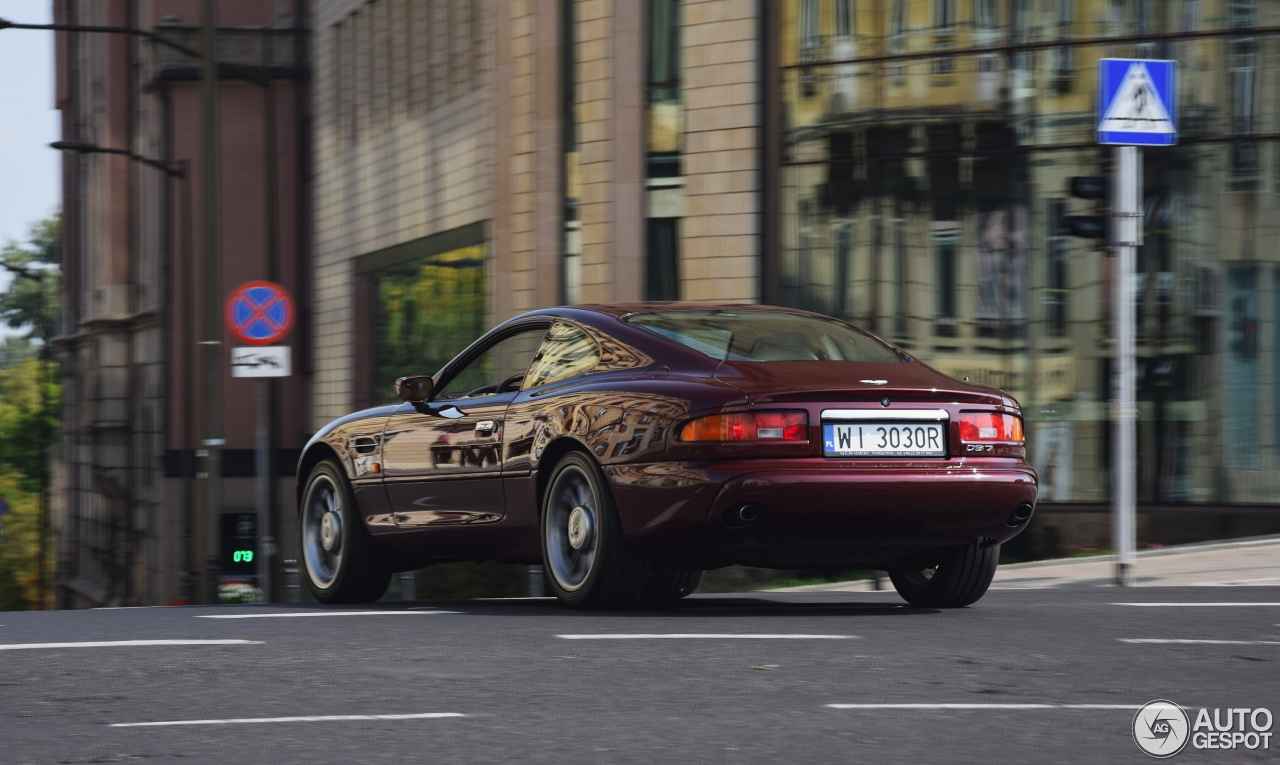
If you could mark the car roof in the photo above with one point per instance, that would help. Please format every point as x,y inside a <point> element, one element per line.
<point>625,309</point>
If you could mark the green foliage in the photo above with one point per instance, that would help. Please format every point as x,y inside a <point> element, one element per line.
<point>28,406</point>
<point>19,544</point>
<point>31,300</point>
<point>427,312</point>
<point>28,425</point>
<point>15,349</point>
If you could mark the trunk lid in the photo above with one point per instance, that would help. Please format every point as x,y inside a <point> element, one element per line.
<point>781,382</point>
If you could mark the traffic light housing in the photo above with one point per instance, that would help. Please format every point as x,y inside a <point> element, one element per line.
<point>238,545</point>
<point>1096,189</point>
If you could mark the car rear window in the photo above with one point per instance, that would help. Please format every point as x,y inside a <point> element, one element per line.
<point>765,336</point>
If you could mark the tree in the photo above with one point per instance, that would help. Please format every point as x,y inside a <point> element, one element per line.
<point>28,422</point>
<point>28,412</point>
<point>31,300</point>
<point>19,545</point>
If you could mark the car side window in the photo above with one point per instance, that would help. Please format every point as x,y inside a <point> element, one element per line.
<point>500,368</point>
<point>567,351</point>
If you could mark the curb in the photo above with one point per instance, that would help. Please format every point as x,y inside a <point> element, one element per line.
<point>1195,547</point>
<point>1171,550</point>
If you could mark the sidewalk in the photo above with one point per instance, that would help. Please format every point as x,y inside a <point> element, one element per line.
<point>1242,562</point>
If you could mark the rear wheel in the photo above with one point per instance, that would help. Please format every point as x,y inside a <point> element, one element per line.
<point>583,551</point>
<point>950,577</point>
<point>336,549</point>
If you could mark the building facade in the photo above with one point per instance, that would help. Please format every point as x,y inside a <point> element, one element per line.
<point>900,163</point>
<point>129,516</point>
<point>925,195</point>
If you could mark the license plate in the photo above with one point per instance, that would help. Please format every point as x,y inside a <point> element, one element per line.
<point>884,439</point>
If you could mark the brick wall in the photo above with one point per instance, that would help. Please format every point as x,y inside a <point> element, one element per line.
<point>404,148</point>
<point>719,236</point>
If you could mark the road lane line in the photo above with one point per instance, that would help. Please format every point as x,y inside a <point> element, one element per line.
<point>1198,605</point>
<point>1180,641</point>
<point>309,718</point>
<point>287,615</point>
<point>704,636</point>
<point>984,706</point>
<point>123,644</point>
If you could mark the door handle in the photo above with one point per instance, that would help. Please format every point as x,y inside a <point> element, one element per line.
<point>486,427</point>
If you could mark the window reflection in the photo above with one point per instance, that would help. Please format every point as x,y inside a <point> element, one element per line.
<point>926,199</point>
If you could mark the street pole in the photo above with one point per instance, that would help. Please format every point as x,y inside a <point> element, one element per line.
<point>262,466</point>
<point>211,344</point>
<point>1127,235</point>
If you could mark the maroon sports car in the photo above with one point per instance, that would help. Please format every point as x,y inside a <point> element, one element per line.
<point>629,448</point>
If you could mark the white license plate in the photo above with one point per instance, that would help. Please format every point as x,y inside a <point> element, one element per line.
<point>884,439</point>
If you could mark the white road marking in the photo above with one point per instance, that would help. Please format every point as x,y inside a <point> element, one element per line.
<point>704,636</point>
<point>310,718</point>
<point>984,706</point>
<point>1179,641</point>
<point>123,644</point>
<point>1197,605</point>
<point>289,615</point>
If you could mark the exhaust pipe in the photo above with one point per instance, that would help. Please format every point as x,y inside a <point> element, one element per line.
<point>1020,515</point>
<point>744,515</point>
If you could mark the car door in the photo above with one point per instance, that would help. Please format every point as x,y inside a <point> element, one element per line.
<point>442,459</point>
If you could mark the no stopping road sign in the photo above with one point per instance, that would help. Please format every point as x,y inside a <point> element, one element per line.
<point>259,313</point>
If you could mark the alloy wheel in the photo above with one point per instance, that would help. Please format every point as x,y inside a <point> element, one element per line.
<point>572,528</point>
<point>322,532</point>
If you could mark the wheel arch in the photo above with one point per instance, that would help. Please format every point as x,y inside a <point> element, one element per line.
<point>314,455</point>
<point>551,457</point>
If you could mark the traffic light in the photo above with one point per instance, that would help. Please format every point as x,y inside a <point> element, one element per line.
<point>1094,188</point>
<point>239,546</point>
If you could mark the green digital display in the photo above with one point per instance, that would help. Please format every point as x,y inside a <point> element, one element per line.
<point>242,556</point>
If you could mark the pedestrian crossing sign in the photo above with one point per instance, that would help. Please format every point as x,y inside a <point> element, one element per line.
<point>1137,102</point>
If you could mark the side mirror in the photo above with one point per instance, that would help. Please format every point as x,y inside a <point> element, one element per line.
<point>415,389</point>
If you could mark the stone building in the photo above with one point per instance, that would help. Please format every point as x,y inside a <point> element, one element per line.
<point>900,163</point>
<point>129,517</point>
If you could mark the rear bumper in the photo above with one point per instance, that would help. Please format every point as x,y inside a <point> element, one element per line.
<point>819,511</point>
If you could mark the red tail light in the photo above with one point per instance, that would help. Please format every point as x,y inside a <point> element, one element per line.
<point>979,428</point>
<point>748,426</point>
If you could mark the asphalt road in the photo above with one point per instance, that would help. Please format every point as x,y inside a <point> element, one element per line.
<point>515,689</point>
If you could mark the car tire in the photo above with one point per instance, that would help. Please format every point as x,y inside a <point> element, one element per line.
<point>669,584</point>
<point>338,554</point>
<point>950,577</point>
<point>584,554</point>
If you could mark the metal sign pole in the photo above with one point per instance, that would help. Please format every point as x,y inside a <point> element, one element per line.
<point>262,469</point>
<point>1128,235</point>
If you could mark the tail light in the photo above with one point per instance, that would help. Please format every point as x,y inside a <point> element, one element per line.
<point>990,428</point>
<point>748,426</point>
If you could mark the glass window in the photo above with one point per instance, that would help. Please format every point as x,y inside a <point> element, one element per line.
<point>944,13</point>
<point>766,336</point>
<point>662,259</point>
<point>845,22</point>
<point>991,285</point>
<point>425,312</point>
<point>1057,290</point>
<point>567,351</point>
<point>946,251</point>
<point>810,37</point>
<point>499,369</point>
<point>664,50</point>
<point>985,14</point>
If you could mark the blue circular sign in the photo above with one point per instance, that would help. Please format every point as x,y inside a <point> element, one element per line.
<point>260,313</point>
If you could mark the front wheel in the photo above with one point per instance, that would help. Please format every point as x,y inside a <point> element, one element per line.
<point>336,549</point>
<point>583,551</point>
<point>950,577</point>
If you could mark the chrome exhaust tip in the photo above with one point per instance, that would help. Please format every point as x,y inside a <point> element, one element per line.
<point>744,514</point>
